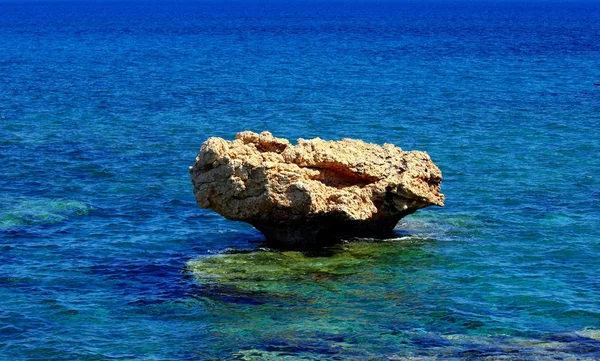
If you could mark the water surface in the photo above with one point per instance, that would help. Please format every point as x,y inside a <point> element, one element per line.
<point>104,254</point>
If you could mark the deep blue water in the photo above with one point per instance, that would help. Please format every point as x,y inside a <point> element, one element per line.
<point>104,105</point>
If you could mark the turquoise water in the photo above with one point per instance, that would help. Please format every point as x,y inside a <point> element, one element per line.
<point>104,254</point>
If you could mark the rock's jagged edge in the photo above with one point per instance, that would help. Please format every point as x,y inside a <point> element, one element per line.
<point>316,192</point>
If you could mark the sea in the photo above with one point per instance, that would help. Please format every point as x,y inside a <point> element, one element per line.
<point>104,254</point>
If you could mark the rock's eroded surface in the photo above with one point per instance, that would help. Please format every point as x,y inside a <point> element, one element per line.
<point>315,192</point>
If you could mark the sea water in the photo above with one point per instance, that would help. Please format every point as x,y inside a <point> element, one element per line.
<point>105,255</point>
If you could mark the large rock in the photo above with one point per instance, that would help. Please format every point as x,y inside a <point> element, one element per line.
<point>315,192</point>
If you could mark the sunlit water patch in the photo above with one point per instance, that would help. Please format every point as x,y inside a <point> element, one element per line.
<point>38,211</point>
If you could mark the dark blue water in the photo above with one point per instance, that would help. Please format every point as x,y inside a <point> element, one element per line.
<point>104,254</point>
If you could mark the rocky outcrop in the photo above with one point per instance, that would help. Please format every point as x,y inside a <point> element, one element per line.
<point>315,192</point>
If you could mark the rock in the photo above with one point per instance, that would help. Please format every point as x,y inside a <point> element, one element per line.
<point>316,192</point>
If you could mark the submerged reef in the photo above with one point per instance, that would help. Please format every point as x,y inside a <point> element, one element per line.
<point>311,194</point>
<point>294,272</point>
<point>363,300</point>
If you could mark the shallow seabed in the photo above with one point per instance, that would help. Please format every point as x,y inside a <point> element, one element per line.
<point>104,254</point>
<point>373,299</point>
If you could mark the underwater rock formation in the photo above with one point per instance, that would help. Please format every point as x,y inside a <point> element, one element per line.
<point>313,193</point>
